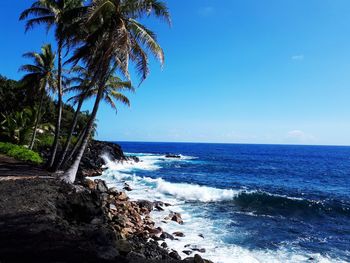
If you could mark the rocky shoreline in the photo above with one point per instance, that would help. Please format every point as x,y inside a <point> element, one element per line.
<point>44,220</point>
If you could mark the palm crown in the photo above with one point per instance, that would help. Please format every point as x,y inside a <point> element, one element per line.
<point>112,90</point>
<point>40,74</point>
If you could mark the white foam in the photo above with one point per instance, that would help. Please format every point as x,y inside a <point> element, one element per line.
<point>195,219</point>
<point>190,192</point>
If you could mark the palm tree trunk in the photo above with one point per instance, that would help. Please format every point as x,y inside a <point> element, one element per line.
<point>37,120</point>
<point>70,175</point>
<point>59,106</point>
<point>75,148</point>
<point>69,138</point>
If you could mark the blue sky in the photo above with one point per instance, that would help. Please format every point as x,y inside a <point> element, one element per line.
<point>245,71</point>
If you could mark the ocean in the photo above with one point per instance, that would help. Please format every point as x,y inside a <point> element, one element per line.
<point>246,203</point>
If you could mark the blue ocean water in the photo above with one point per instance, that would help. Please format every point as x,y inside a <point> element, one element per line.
<point>253,203</point>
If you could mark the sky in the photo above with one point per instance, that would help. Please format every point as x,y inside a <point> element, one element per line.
<point>236,71</point>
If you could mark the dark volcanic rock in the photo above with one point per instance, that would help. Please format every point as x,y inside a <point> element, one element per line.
<point>165,235</point>
<point>178,234</point>
<point>172,156</point>
<point>48,221</point>
<point>92,161</point>
<point>101,186</point>
<point>145,204</point>
<point>175,255</point>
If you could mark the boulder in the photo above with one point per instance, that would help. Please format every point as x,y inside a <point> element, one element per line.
<point>166,235</point>
<point>173,254</point>
<point>158,207</point>
<point>145,204</point>
<point>172,156</point>
<point>198,259</point>
<point>113,191</point>
<point>101,186</point>
<point>176,217</point>
<point>127,187</point>
<point>178,234</point>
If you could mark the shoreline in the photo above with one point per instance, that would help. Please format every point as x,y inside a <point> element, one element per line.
<point>88,221</point>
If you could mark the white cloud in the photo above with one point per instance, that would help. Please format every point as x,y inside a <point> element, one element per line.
<point>298,136</point>
<point>298,57</point>
<point>206,11</point>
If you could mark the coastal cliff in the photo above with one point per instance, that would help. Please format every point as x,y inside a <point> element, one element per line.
<point>45,220</point>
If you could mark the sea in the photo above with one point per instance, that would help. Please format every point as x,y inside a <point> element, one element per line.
<point>245,203</point>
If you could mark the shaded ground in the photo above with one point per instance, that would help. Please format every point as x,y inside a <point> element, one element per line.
<point>11,169</point>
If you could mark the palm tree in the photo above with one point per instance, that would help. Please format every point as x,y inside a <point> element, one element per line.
<point>62,14</point>
<point>40,76</point>
<point>115,36</point>
<point>112,92</point>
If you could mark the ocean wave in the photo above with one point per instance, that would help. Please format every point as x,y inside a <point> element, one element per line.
<point>258,202</point>
<point>190,192</point>
<point>255,203</point>
<point>265,203</point>
<point>147,161</point>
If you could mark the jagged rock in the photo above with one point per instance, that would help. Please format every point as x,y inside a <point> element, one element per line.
<point>196,248</point>
<point>127,187</point>
<point>158,207</point>
<point>172,156</point>
<point>201,235</point>
<point>164,245</point>
<point>198,259</point>
<point>187,252</point>
<point>145,204</point>
<point>92,161</point>
<point>101,186</point>
<point>173,254</point>
<point>113,191</point>
<point>154,231</point>
<point>133,158</point>
<point>166,235</point>
<point>178,234</point>
<point>175,217</point>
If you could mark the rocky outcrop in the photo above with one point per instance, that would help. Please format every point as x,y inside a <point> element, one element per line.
<point>174,156</point>
<point>92,160</point>
<point>43,220</point>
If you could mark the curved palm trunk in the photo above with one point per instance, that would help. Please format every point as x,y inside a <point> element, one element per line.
<point>59,106</point>
<point>70,135</point>
<point>37,121</point>
<point>75,148</point>
<point>70,175</point>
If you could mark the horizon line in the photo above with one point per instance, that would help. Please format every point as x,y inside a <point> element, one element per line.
<point>230,143</point>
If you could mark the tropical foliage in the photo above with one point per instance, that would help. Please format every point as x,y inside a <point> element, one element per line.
<point>99,40</point>
<point>20,153</point>
<point>40,76</point>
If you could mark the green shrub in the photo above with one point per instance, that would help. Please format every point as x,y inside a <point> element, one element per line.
<point>45,141</point>
<point>20,153</point>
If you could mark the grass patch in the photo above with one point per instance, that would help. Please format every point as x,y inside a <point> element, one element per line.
<point>20,153</point>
